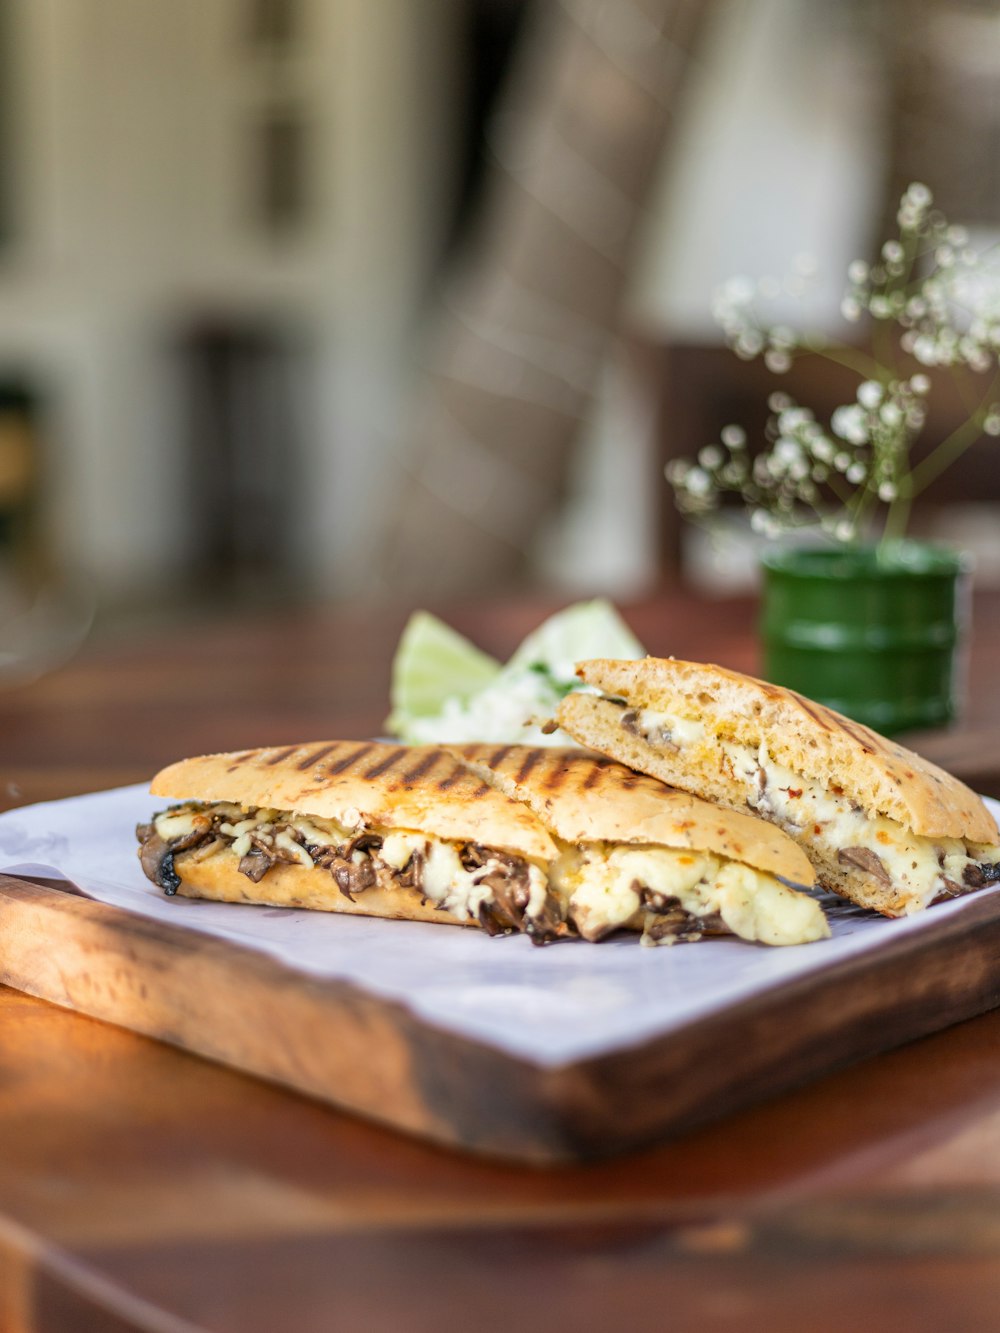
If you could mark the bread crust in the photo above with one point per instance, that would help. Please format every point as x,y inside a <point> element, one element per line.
<point>218,877</point>
<point>581,797</point>
<point>423,788</point>
<point>878,774</point>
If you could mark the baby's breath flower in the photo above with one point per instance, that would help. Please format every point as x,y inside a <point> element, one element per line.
<point>946,312</point>
<point>891,415</point>
<point>850,423</point>
<point>697,481</point>
<point>710,457</point>
<point>749,344</point>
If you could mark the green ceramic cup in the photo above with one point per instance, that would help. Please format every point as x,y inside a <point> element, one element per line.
<point>874,634</point>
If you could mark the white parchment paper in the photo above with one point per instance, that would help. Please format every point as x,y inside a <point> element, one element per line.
<point>552,1005</point>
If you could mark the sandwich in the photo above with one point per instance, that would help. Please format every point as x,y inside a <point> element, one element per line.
<point>636,854</point>
<point>549,843</point>
<point>882,827</point>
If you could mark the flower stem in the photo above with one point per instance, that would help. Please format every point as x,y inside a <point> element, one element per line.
<point>953,446</point>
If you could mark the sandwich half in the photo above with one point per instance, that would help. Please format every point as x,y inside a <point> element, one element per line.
<point>422,833</point>
<point>883,827</point>
<point>635,854</point>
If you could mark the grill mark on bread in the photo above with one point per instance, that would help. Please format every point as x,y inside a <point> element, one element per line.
<point>241,758</point>
<point>498,756</point>
<point>808,708</point>
<point>454,776</point>
<point>312,759</point>
<point>557,777</point>
<point>531,759</point>
<point>425,765</point>
<point>383,765</point>
<point>280,756</point>
<point>342,765</point>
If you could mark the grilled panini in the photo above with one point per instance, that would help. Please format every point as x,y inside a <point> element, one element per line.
<point>882,826</point>
<point>425,834</point>
<point>637,854</point>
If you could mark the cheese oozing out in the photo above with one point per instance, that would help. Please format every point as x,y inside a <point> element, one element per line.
<point>668,894</point>
<point>609,885</point>
<point>919,868</point>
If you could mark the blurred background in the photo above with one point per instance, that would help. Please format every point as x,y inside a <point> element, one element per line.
<point>322,299</point>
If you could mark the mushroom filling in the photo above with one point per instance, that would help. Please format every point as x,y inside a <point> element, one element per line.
<point>669,895</point>
<point>923,869</point>
<point>502,891</point>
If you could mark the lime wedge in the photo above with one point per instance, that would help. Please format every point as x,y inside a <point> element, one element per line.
<point>586,629</point>
<point>433,663</point>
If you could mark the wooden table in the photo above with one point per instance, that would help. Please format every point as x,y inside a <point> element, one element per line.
<point>144,1188</point>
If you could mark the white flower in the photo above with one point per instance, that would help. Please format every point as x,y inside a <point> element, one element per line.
<point>850,308</point>
<point>822,448</point>
<point>734,437</point>
<point>711,456</point>
<point>892,252</point>
<point>748,344</point>
<point>844,530</point>
<point>880,307</point>
<point>697,482</point>
<point>887,491</point>
<point>850,424</point>
<point>919,195</point>
<point>856,473</point>
<point>992,423</point>
<point>891,415</point>
<point>925,350</point>
<point>786,451</point>
<point>842,462</point>
<point>777,362</point>
<point>870,394</point>
<point>792,419</point>
<point>858,271</point>
<point>920,384</point>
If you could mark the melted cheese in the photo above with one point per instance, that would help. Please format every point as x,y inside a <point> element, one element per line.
<point>916,865</point>
<point>603,884</point>
<point>598,885</point>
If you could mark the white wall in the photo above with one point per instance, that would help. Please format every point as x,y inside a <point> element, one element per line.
<point>132,121</point>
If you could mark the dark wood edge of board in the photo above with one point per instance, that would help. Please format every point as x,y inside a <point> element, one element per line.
<point>241,1008</point>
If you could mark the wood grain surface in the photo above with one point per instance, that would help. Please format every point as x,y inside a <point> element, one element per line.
<point>142,1187</point>
<point>347,1046</point>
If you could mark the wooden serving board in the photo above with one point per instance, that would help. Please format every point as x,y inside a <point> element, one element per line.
<point>337,1042</point>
